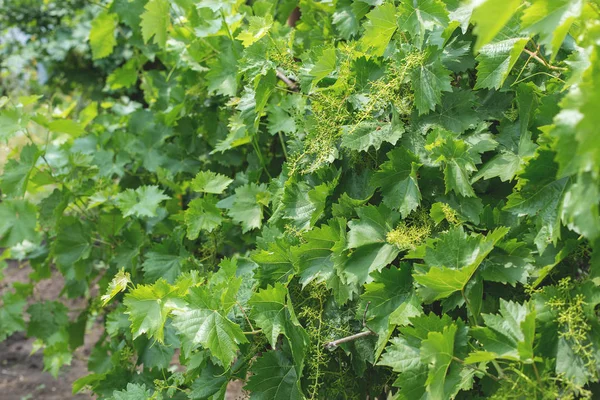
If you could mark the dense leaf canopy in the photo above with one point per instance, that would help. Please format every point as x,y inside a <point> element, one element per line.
<point>322,199</point>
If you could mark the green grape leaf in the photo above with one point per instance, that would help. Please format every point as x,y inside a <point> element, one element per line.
<point>155,22</point>
<point>429,80</point>
<point>458,162</point>
<point>423,356</point>
<point>391,301</point>
<point>539,196</point>
<point>504,166</point>
<point>247,205</point>
<point>269,310</point>
<point>372,226</point>
<point>571,364</point>
<point>148,307</point>
<point>362,136</point>
<point>418,17</point>
<point>451,260</point>
<point>134,391</point>
<point>222,76</point>
<point>551,20</point>
<point>117,285</point>
<point>281,115</point>
<point>510,262</point>
<point>102,34</point>
<point>438,351</point>
<point>324,66</point>
<point>368,238</point>
<point>210,182</point>
<point>508,335</point>
<point>402,355</point>
<point>304,205</point>
<point>12,120</point>
<point>347,17</point>
<point>73,242</point>
<point>276,263</point>
<point>56,356</point>
<point>129,11</point>
<point>11,314</point>
<point>314,257</point>
<point>455,113</point>
<point>317,260</point>
<point>208,328</point>
<point>15,178</point>
<point>273,312</point>
<point>46,319</point>
<point>274,378</point>
<point>141,202</point>
<point>579,209</point>
<point>379,29</point>
<point>490,17</point>
<point>390,290</point>
<point>211,382</point>
<point>257,28</point>
<point>202,214</point>
<point>397,180</point>
<point>17,222</point>
<point>124,76</point>
<point>495,60</point>
<point>160,264</point>
<point>67,126</point>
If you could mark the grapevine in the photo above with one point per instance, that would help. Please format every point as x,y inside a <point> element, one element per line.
<point>303,199</point>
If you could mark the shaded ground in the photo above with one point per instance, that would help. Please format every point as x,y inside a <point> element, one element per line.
<point>22,376</point>
<point>21,373</point>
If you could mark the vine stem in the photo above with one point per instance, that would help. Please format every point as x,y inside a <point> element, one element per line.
<point>51,174</point>
<point>469,308</point>
<point>537,374</point>
<point>288,82</point>
<point>499,369</point>
<point>315,386</point>
<point>283,145</point>
<point>247,319</point>
<point>335,343</point>
<point>536,57</point>
<point>476,369</point>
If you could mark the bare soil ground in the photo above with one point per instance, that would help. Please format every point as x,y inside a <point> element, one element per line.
<point>21,373</point>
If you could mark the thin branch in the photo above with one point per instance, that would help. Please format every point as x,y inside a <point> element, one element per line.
<point>294,17</point>
<point>499,369</point>
<point>537,73</point>
<point>97,4</point>
<point>537,374</point>
<point>536,57</point>
<point>365,318</point>
<point>283,145</point>
<point>289,83</point>
<point>246,316</point>
<point>469,308</point>
<point>335,343</point>
<point>476,369</point>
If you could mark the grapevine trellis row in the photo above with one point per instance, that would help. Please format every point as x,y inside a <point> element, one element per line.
<point>320,199</point>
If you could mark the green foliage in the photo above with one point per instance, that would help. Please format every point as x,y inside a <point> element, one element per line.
<point>376,199</point>
<point>102,35</point>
